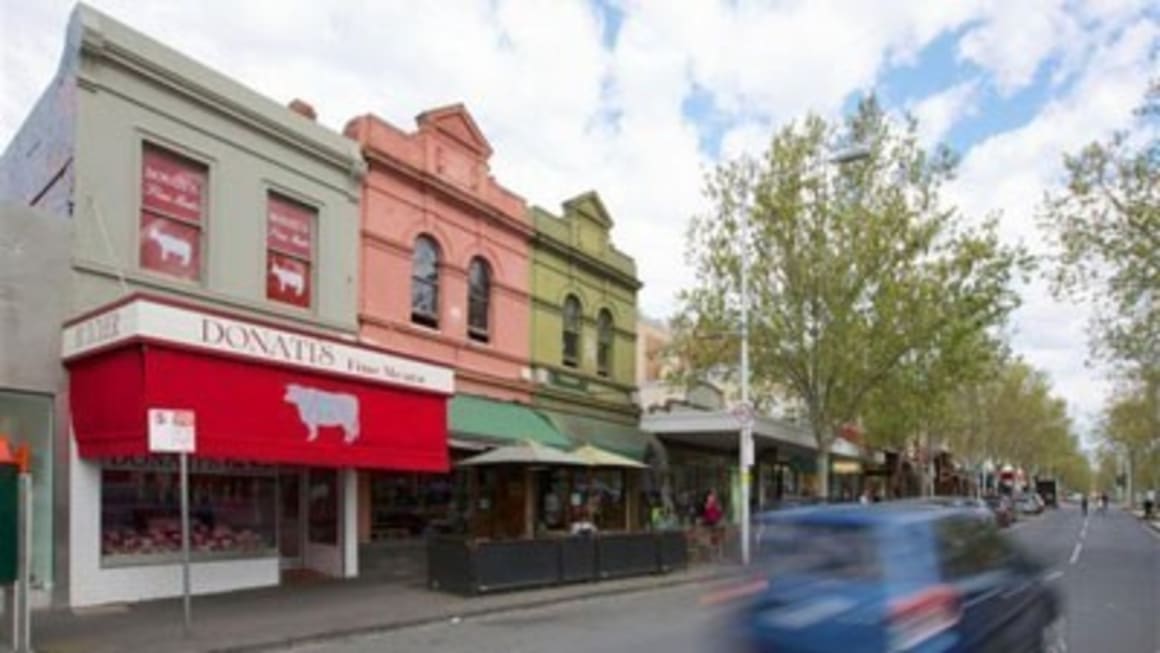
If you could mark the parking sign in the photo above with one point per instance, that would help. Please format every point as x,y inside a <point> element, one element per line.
<point>172,431</point>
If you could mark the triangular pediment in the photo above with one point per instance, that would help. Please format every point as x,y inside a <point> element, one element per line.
<point>589,205</point>
<point>455,122</point>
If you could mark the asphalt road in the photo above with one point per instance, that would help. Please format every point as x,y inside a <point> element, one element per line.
<point>1108,566</point>
<point>1109,572</point>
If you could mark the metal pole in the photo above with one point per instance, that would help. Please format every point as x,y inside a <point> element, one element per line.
<point>186,601</point>
<point>23,612</point>
<point>746,444</point>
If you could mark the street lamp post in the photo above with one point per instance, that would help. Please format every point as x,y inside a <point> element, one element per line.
<point>746,446</point>
<point>745,455</point>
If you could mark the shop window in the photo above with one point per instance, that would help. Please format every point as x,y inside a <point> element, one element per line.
<point>554,489</point>
<point>289,251</point>
<point>173,218</point>
<point>693,476</point>
<point>571,331</point>
<point>410,505</point>
<point>232,510</point>
<point>604,343</point>
<point>598,498</point>
<point>478,299</point>
<point>323,506</point>
<point>425,282</point>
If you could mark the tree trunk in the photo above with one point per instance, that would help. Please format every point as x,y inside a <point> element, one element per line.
<point>1131,480</point>
<point>824,470</point>
<point>926,478</point>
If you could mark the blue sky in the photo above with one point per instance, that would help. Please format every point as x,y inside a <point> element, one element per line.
<point>637,99</point>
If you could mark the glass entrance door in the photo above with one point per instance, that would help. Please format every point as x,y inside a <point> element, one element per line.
<point>290,526</point>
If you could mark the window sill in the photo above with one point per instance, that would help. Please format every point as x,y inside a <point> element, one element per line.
<point>121,561</point>
<point>146,281</point>
<point>425,323</point>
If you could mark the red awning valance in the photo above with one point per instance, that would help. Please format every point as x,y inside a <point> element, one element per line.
<point>253,411</point>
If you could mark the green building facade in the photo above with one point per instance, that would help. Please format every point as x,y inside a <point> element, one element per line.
<point>584,319</point>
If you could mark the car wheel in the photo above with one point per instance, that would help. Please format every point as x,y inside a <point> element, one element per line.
<point>1053,637</point>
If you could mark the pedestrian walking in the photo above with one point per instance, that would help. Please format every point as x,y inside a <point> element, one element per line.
<point>711,513</point>
<point>1083,504</point>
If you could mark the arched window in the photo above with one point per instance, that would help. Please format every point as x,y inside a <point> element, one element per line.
<point>604,343</point>
<point>571,331</point>
<point>478,299</point>
<point>425,282</point>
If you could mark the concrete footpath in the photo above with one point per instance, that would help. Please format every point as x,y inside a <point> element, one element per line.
<point>1154,523</point>
<point>280,617</point>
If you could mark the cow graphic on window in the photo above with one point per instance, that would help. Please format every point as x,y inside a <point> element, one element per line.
<point>319,408</point>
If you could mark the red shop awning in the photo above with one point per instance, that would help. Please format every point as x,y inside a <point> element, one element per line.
<point>254,411</point>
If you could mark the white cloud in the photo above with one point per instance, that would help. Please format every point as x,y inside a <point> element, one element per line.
<point>938,113</point>
<point>1017,38</point>
<point>1010,172</point>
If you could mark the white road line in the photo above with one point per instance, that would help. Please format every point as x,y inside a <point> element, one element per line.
<point>1055,575</point>
<point>1075,553</point>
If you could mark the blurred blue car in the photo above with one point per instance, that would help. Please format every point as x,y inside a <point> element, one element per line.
<point>893,577</point>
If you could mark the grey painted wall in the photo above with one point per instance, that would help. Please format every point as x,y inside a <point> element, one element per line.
<point>132,90</point>
<point>34,297</point>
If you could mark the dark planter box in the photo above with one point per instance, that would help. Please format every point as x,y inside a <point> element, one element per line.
<point>450,565</point>
<point>672,550</point>
<point>627,554</point>
<point>455,564</point>
<point>516,564</point>
<point>578,559</point>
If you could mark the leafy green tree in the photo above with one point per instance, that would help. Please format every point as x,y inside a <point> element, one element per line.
<point>933,398</point>
<point>1003,410</point>
<point>1129,428</point>
<point>855,269</point>
<point>1107,469</point>
<point>1105,229</point>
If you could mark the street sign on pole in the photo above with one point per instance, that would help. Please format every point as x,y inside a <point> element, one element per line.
<point>172,431</point>
<point>186,600</point>
<point>175,431</point>
<point>743,412</point>
<point>747,454</point>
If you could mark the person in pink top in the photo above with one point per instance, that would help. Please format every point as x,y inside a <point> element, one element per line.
<point>711,513</point>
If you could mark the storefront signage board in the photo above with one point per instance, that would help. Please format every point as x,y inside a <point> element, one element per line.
<point>143,318</point>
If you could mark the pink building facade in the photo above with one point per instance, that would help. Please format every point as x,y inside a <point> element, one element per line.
<point>445,253</point>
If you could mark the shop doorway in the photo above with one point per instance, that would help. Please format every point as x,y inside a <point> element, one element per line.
<point>309,521</point>
<point>324,541</point>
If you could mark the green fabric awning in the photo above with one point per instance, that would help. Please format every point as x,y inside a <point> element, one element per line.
<point>624,439</point>
<point>500,422</point>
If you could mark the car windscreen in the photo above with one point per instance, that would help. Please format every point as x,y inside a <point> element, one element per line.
<point>844,551</point>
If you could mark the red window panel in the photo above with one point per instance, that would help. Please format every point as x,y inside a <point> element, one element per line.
<point>172,185</point>
<point>170,246</point>
<point>172,213</point>
<point>288,279</point>
<point>290,228</point>
<point>289,251</point>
